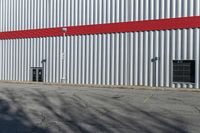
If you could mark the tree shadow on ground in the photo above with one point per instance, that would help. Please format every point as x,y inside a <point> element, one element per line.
<point>93,113</point>
<point>13,118</point>
<point>81,116</point>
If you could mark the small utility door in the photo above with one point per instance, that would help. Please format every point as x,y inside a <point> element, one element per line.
<point>40,75</point>
<point>37,74</point>
<point>34,75</point>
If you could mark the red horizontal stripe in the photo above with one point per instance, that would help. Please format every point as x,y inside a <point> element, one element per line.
<point>136,26</point>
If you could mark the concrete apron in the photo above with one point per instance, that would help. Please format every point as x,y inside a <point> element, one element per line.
<point>106,86</point>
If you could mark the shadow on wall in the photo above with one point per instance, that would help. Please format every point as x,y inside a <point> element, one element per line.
<point>75,114</point>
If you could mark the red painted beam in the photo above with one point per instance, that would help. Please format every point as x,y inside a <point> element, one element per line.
<point>136,26</point>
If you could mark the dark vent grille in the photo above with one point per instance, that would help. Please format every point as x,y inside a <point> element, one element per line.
<point>184,71</point>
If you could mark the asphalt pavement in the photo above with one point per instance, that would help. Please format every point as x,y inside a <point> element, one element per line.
<point>37,108</point>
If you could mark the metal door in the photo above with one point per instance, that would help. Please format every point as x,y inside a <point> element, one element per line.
<point>37,74</point>
<point>34,75</point>
<point>40,75</point>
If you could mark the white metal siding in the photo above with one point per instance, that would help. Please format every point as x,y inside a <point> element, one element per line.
<point>31,14</point>
<point>108,59</point>
<point>111,59</point>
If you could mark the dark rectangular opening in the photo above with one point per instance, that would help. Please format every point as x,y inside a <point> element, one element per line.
<point>40,75</point>
<point>184,71</point>
<point>37,74</point>
<point>34,75</point>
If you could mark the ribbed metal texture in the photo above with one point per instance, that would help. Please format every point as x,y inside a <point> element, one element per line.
<point>31,14</point>
<point>107,59</point>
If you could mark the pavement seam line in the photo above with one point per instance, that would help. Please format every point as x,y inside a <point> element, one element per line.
<point>148,98</point>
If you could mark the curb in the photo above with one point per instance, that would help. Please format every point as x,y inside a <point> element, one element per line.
<point>107,86</point>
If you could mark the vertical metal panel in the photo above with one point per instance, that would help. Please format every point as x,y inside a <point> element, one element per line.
<point>112,59</point>
<point>24,14</point>
<point>99,59</point>
<point>145,58</point>
<point>151,56</point>
<point>196,56</point>
<point>136,49</point>
<point>167,62</point>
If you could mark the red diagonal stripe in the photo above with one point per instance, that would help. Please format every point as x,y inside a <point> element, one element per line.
<point>136,26</point>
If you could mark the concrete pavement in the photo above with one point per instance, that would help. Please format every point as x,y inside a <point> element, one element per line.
<point>53,108</point>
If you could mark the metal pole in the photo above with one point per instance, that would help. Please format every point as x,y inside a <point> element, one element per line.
<point>63,78</point>
<point>155,62</point>
<point>44,70</point>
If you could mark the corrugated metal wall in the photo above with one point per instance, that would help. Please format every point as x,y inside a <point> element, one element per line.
<point>111,59</point>
<point>30,14</point>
